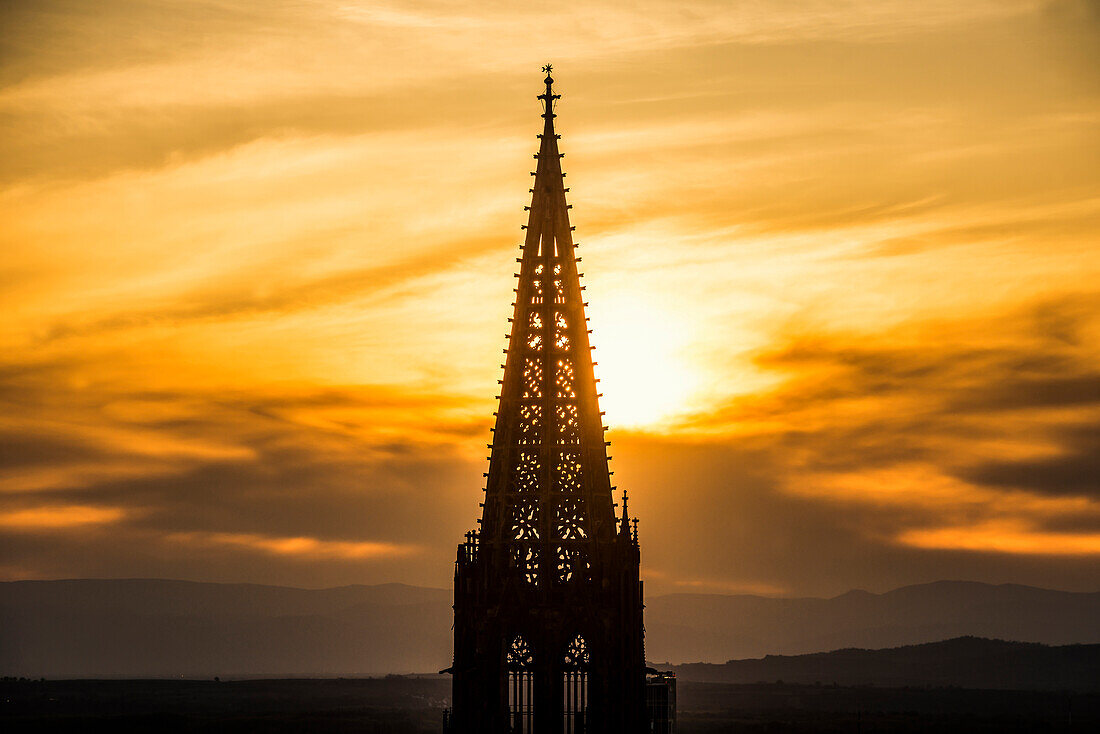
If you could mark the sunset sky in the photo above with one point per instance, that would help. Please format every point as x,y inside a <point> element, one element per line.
<point>841,257</point>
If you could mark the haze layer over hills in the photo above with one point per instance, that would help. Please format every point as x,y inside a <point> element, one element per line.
<point>147,627</point>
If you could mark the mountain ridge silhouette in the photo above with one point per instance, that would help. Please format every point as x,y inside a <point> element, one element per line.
<point>963,662</point>
<point>163,627</point>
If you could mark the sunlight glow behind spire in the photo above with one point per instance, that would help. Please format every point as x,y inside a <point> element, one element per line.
<point>643,368</point>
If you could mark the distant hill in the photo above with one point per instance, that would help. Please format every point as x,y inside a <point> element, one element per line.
<point>144,627</point>
<point>711,628</point>
<point>965,662</point>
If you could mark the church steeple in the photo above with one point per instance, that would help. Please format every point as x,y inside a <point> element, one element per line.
<point>548,497</point>
<point>548,606</point>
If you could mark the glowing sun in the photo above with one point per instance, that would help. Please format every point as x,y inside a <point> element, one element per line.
<point>644,376</point>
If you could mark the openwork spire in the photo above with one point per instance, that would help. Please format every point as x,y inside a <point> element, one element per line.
<point>548,601</point>
<point>548,502</point>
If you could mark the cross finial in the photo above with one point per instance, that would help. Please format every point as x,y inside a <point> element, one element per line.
<point>549,96</point>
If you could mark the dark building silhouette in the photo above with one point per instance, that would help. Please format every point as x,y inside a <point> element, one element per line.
<point>548,605</point>
<point>660,702</point>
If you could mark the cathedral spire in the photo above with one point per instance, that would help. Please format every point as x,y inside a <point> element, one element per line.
<point>548,496</point>
<point>548,603</point>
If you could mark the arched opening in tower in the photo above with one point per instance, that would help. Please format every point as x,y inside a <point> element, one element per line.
<point>575,686</point>
<point>521,687</point>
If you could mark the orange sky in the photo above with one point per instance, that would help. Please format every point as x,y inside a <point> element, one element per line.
<point>841,262</point>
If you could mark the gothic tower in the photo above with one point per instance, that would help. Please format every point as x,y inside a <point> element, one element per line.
<point>548,605</point>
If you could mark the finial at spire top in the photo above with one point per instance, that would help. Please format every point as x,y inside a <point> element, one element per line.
<point>549,96</point>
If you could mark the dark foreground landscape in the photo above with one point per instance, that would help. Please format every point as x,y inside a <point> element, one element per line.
<point>414,704</point>
<point>142,656</point>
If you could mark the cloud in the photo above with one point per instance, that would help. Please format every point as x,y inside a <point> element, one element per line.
<point>240,300</point>
<point>298,546</point>
<point>1005,537</point>
<point>144,84</point>
<point>726,510</point>
<point>306,475</point>
<point>1074,471</point>
<point>66,516</point>
<point>981,438</point>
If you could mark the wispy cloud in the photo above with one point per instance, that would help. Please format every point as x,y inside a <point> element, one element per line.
<point>65,516</point>
<point>1005,537</point>
<point>299,546</point>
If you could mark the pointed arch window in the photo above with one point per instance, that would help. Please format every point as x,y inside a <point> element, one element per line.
<point>520,662</point>
<point>575,686</point>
